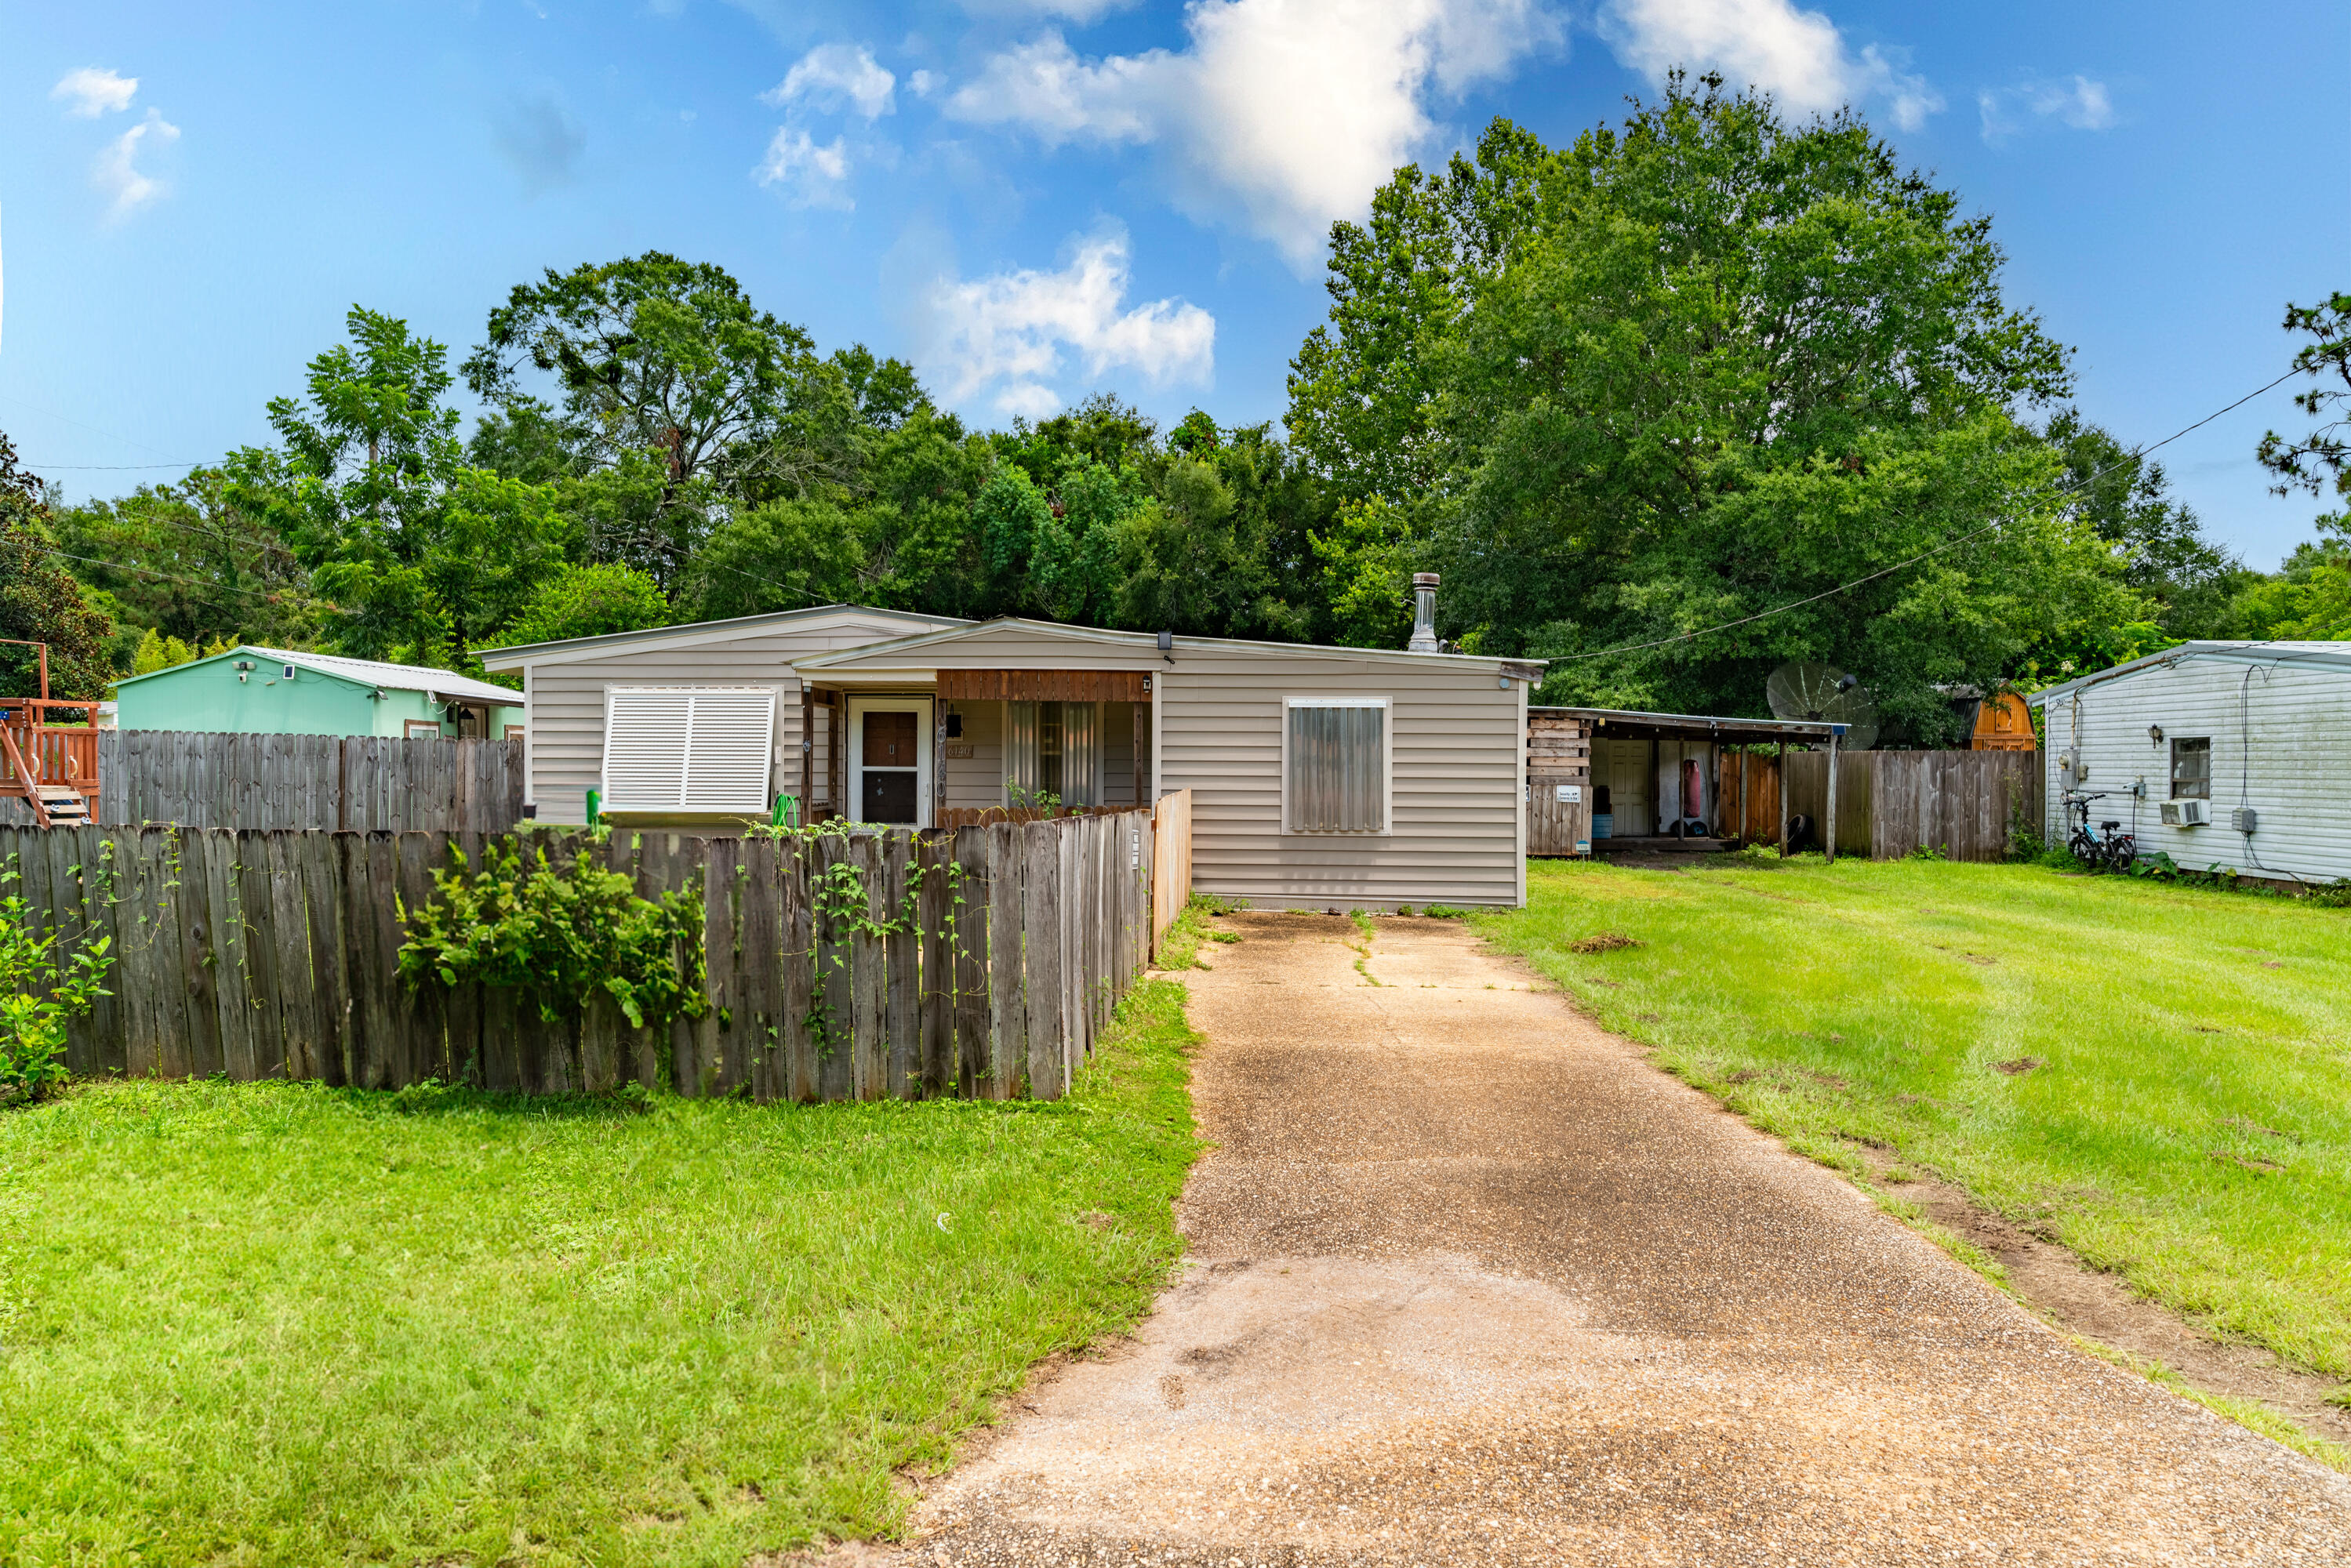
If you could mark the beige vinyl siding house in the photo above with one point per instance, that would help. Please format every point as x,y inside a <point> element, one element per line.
<point>1219,719</point>
<point>565,687</point>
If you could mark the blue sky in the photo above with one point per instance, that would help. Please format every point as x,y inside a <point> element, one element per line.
<point>1032,199</point>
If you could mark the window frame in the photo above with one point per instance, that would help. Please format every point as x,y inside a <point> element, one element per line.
<point>2177,742</point>
<point>614,800</point>
<point>1387,705</point>
<point>420,729</point>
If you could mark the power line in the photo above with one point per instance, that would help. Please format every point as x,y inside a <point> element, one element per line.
<point>143,572</point>
<point>2084,483</point>
<point>108,467</point>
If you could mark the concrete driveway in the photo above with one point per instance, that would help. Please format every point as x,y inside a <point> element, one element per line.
<point>1470,1283</point>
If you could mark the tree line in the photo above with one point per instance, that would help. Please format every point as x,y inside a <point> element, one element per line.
<point>1700,393</point>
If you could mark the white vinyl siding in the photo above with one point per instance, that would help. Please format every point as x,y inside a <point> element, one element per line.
<point>1457,737</point>
<point>1335,766</point>
<point>1456,779</point>
<point>683,749</point>
<point>2281,742</point>
<point>567,697</point>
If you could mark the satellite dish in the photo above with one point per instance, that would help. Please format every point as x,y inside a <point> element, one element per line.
<point>1822,694</point>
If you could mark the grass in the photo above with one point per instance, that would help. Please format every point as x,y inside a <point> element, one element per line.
<point>275,1323</point>
<point>2157,1078</point>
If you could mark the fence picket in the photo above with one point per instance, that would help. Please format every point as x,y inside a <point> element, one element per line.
<point>901,956</point>
<point>257,953</point>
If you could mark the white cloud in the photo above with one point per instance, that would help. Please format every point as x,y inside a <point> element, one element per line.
<point>832,75</point>
<point>2074,100</point>
<point>1798,56</point>
<point>812,173</point>
<point>1282,114</point>
<point>89,92</point>
<point>1006,335</point>
<point>118,171</point>
<point>921,82</point>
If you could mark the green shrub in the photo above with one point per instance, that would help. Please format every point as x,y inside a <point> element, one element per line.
<point>559,937</point>
<point>39,990</point>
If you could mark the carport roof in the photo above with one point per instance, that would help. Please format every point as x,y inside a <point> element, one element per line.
<point>1625,724</point>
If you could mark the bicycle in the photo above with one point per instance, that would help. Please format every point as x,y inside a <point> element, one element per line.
<point>2106,848</point>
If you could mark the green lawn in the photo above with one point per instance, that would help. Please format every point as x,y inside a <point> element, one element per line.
<point>277,1324</point>
<point>2189,1122</point>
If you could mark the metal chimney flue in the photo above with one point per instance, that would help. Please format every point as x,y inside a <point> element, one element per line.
<point>1424,614</point>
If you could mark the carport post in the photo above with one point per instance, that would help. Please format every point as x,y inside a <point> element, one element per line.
<point>1742,797</point>
<point>1828,828</point>
<point>1781,766</point>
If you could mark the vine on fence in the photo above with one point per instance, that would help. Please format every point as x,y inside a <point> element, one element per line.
<point>40,990</point>
<point>560,935</point>
<point>839,895</point>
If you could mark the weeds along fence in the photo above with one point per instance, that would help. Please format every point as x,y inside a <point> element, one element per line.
<point>982,962</point>
<point>357,783</point>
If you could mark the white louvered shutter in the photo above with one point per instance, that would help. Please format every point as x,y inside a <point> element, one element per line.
<point>730,748</point>
<point>644,761</point>
<point>683,749</point>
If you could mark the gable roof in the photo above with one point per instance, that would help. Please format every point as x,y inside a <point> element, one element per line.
<point>2336,654</point>
<point>359,672</point>
<point>688,634</point>
<point>1143,645</point>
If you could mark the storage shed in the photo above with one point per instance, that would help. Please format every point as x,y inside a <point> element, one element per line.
<point>2227,754</point>
<point>252,690</point>
<point>1661,775</point>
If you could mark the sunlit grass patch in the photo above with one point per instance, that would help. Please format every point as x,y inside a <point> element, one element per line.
<point>279,1323</point>
<point>2158,1078</point>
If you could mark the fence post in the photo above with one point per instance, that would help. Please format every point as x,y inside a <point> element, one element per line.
<point>1829,813</point>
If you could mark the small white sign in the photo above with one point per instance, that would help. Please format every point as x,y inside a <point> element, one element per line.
<point>1571,793</point>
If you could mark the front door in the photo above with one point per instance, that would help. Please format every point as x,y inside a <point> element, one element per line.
<point>890,760</point>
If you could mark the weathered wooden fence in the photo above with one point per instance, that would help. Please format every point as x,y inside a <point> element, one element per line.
<point>261,955</point>
<point>348,783</point>
<point>1171,862</point>
<point>1890,802</point>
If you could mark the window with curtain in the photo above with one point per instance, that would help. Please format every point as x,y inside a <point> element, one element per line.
<point>2191,769</point>
<point>1053,748</point>
<point>1337,758</point>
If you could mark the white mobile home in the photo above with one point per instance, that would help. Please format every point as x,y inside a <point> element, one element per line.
<point>2233,755</point>
<point>1321,777</point>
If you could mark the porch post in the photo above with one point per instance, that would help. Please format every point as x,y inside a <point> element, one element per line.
<point>1781,765</point>
<point>1140,738</point>
<point>1828,826</point>
<point>808,754</point>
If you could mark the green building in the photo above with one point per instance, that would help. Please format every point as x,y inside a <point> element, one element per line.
<point>270,691</point>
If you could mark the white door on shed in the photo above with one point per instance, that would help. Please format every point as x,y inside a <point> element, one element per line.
<point>1631,785</point>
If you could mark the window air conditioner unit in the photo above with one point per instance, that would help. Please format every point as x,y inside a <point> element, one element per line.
<point>2186,813</point>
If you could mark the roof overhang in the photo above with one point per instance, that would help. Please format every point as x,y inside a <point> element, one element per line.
<point>1627,723</point>
<point>693,633</point>
<point>966,644</point>
<point>2335,655</point>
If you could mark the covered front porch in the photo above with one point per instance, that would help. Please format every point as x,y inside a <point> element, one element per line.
<point>965,747</point>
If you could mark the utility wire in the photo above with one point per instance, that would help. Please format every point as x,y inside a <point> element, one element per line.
<point>106,467</point>
<point>143,572</point>
<point>2087,479</point>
